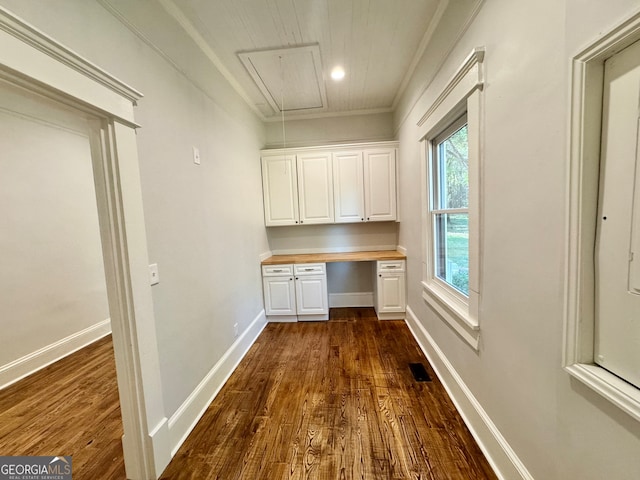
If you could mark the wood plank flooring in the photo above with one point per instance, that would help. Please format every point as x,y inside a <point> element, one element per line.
<point>321,400</point>
<point>69,408</point>
<point>331,400</point>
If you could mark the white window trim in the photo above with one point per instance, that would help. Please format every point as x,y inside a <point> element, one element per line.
<point>461,94</point>
<point>587,80</point>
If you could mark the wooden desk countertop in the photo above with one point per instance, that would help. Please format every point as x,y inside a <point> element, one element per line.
<point>335,257</point>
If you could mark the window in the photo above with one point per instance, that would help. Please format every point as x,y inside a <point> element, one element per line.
<point>450,135</point>
<point>600,340</point>
<point>450,205</point>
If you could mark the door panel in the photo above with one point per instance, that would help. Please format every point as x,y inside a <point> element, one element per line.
<point>617,332</point>
<point>348,184</point>
<point>280,184</point>
<point>380,184</point>
<point>315,184</point>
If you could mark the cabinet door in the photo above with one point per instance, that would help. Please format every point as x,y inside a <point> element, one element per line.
<point>279,295</point>
<point>280,190</point>
<point>311,295</point>
<point>380,184</point>
<point>348,187</point>
<point>391,293</point>
<point>315,188</point>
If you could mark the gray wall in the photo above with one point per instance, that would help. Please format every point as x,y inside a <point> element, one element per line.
<point>204,223</point>
<point>323,131</point>
<point>52,276</point>
<point>556,426</point>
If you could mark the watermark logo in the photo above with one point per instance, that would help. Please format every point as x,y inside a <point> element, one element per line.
<point>35,468</point>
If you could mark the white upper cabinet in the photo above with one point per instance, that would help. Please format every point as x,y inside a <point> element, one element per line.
<point>343,184</point>
<point>315,188</point>
<point>380,184</point>
<point>280,189</point>
<point>348,186</point>
<point>364,183</point>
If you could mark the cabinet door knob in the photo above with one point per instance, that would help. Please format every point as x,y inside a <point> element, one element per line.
<point>291,279</point>
<point>362,219</point>
<point>301,221</point>
<point>296,221</point>
<point>367,218</point>
<point>380,275</point>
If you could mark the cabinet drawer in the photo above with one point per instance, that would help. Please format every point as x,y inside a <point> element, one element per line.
<point>277,270</point>
<point>309,268</point>
<point>391,266</point>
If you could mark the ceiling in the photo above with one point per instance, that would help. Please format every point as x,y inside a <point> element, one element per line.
<point>377,42</point>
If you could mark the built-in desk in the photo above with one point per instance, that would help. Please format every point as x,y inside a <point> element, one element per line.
<point>305,298</point>
<point>373,256</point>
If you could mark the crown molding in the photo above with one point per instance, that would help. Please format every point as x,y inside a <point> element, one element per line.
<point>37,39</point>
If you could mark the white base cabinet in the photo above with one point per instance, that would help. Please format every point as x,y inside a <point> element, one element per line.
<point>295,292</point>
<point>279,292</point>
<point>312,301</point>
<point>390,290</point>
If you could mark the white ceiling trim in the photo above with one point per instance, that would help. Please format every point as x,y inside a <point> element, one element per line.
<point>175,12</point>
<point>435,20</point>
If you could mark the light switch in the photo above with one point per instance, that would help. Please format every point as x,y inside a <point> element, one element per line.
<point>196,155</point>
<point>154,276</point>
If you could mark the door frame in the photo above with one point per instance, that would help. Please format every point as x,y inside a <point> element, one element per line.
<point>583,173</point>
<point>37,63</point>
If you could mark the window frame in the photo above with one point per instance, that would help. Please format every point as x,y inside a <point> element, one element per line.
<point>435,183</point>
<point>583,174</point>
<point>461,95</point>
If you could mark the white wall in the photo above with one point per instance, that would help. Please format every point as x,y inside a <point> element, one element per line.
<point>52,279</point>
<point>324,131</point>
<point>204,223</point>
<point>556,427</point>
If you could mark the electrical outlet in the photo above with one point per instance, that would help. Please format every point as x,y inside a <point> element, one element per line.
<point>154,276</point>
<point>235,330</point>
<point>196,155</point>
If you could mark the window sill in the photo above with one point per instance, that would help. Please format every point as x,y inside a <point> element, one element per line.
<point>617,391</point>
<point>452,311</point>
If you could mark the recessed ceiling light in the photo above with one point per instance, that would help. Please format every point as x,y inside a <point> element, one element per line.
<point>337,73</point>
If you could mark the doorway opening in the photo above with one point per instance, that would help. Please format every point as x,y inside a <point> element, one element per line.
<point>55,300</point>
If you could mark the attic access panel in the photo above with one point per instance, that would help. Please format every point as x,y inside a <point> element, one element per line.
<point>289,78</point>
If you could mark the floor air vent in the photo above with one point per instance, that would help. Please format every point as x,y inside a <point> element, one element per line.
<point>419,372</point>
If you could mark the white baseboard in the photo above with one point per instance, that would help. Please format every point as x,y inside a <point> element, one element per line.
<point>31,363</point>
<point>499,453</point>
<point>184,420</point>
<point>354,299</point>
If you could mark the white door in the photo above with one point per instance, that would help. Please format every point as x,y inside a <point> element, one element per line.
<point>348,187</point>
<point>280,189</point>
<point>617,333</point>
<point>279,295</point>
<point>391,292</point>
<point>311,295</point>
<point>315,188</point>
<point>380,184</point>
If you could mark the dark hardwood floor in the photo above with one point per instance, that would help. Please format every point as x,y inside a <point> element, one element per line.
<point>331,400</point>
<point>69,408</point>
<point>320,400</point>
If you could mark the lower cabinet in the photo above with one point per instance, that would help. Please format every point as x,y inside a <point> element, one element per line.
<point>279,290</point>
<point>298,292</point>
<point>389,290</point>
<point>295,292</point>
